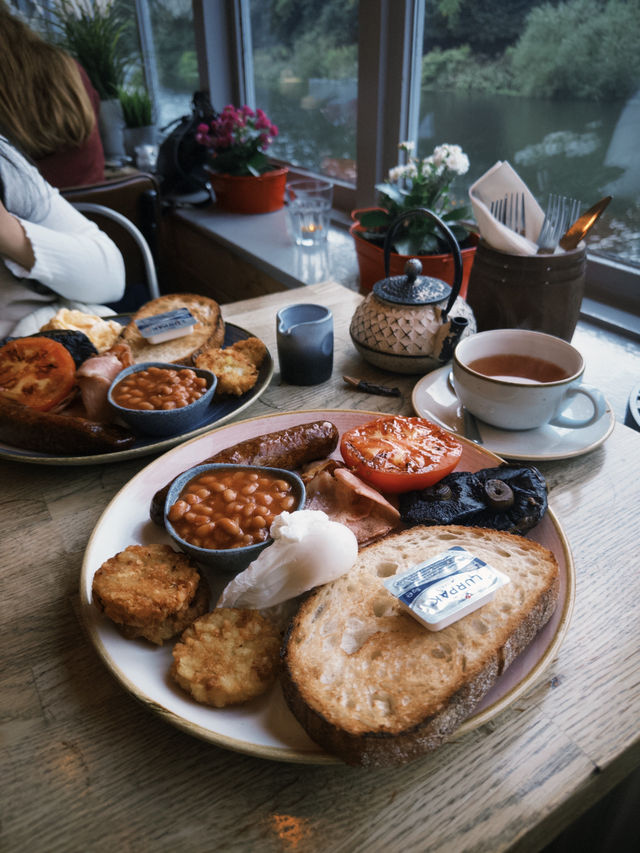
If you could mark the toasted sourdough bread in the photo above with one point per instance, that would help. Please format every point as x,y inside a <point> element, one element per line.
<point>371,684</point>
<point>209,329</point>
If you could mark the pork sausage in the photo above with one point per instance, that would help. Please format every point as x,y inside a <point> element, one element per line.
<point>287,448</point>
<point>47,432</point>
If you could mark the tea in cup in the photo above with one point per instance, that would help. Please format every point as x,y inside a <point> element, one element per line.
<point>520,379</point>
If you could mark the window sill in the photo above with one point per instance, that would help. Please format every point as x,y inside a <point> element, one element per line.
<point>264,241</point>
<point>612,319</point>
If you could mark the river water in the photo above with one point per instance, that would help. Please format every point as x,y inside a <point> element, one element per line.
<point>578,148</point>
<point>582,149</point>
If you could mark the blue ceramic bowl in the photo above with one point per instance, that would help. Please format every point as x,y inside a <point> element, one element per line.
<point>226,561</point>
<point>165,421</point>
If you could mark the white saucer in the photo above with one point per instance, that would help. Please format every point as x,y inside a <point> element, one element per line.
<point>433,398</point>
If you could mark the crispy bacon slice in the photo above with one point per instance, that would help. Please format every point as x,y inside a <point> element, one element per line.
<point>334,489</point>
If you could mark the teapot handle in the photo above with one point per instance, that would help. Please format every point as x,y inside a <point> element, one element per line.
<point>453,243</point>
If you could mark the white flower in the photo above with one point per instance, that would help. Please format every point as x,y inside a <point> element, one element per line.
<point>411,169</point>
<point>452,157</point>
<point>398,173</point>
<point>407,146</point>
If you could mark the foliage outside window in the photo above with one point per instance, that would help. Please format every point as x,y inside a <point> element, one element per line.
<point>305,58</point>
<point>554,88</point>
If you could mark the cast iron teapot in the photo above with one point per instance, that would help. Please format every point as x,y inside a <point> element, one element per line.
<point>405,325</point>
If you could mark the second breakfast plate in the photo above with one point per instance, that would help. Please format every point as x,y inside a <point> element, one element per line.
<point>221,410</point>
<point>265,727</point>
<point>434,398</point>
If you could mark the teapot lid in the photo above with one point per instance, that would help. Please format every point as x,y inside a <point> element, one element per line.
<point>412,288</point>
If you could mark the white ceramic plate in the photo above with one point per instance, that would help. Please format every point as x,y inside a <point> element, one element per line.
<point>219,412</point>
<point>434,398</point>
<point>265,727</point>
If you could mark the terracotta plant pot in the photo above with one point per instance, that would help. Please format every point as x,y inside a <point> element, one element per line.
<point>249,193</point>
<point>371,262</point>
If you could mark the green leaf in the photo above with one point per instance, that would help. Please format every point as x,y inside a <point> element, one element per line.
<point>431,245</point>
<point>394,193</point>
<point>460,233</point>
<point>405,246</point>
<point>455,214</point>
<point>374,219</point>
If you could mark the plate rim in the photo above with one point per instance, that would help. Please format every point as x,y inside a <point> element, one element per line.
<point>505,453</point>
<point>297,755</point>
<point>160,444</point>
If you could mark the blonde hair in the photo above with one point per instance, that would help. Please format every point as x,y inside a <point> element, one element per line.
<point>44,104</point>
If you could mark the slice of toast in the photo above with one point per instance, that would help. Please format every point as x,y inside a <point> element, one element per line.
<point>209,329</point>
<point>371,684</point>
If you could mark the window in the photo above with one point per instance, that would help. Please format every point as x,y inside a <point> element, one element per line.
<point>396,40</point>
<point>169,59</point>
<point>305,72</point>
<point>554,90</point>
<point>156,40</point>
<point>553,87</point>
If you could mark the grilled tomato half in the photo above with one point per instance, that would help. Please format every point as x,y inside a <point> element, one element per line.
<point>37,372</point>
<point>399,454</point>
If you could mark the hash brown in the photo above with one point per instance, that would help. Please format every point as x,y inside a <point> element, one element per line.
<point>227,657</point>
<point>170,627</point>
<point>235,366</point>
<point>147,588</point>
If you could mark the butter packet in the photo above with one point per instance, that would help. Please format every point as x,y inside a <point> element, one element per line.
<point>446,587</point>
<point>167,326</point>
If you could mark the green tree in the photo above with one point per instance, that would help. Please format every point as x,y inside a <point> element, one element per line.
<point>580,49</point>
<point>487,26</point>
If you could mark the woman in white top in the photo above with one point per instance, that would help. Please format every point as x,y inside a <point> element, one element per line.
<point>51,256</point>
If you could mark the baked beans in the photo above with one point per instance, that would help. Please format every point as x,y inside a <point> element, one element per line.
<point>159,388</point>
<point>230,508</point>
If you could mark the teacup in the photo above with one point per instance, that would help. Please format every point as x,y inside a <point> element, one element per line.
<point>519,379</point>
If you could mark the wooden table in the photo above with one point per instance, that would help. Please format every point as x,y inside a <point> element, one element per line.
<point>87,768</point>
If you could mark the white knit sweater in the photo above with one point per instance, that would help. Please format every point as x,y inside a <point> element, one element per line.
<point>75,261</point>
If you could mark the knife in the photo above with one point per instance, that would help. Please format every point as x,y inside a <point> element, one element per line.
<point>583,224</point>
<point>371,388</point>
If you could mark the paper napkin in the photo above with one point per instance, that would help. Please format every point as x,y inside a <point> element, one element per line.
<point>500,180</point>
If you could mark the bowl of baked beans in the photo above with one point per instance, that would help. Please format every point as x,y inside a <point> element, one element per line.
<point>155,398</point>
<point>221,514</point>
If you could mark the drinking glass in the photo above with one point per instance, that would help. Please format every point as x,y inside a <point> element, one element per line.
<point>309,207</point>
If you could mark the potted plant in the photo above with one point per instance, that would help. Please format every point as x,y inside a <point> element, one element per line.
<point>241,174</point>
<point>137,112</point>
<point>417,183</point>
<point>90,30</point>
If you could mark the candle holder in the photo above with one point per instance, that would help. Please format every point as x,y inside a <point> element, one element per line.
<point>309,208</point>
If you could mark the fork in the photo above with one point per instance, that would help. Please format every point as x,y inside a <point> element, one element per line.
<point>510,211</point>
<point>561,211</point>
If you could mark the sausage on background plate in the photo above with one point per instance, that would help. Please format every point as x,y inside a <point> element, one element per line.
<point>288,448</point>
<point>63,435</point>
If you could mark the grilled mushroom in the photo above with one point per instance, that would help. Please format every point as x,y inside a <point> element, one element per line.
<point>507,498</point>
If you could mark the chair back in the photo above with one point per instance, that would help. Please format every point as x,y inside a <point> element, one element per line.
<point>134,229</point>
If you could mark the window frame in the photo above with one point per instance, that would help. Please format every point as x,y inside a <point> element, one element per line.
<point>389,61</point>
